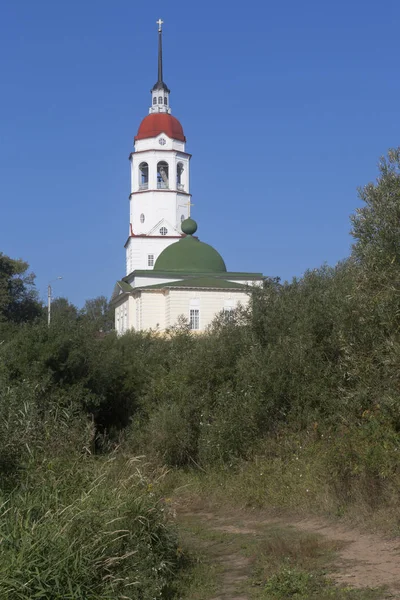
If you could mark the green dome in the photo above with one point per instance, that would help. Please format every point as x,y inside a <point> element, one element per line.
<point>189,255</point>
<point>189,226</point>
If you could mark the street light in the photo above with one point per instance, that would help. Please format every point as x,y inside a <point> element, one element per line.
<point>49,300</point>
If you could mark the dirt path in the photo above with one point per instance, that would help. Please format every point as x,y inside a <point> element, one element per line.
<point>363,560</point>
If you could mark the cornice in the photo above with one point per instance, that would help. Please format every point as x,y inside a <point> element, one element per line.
<point>168,191</point>
<point>159,150</point>
<point>152,237</point>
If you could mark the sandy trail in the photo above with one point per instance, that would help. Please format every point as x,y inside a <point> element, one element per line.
<point>364,560</point>
<point>367,560</point>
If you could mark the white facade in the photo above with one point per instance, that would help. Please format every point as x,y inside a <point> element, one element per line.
<point>161,309</point>
<point>142,252</point>
<point>159,199</point>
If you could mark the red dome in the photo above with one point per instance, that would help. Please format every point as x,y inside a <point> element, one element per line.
<point>157,123</point>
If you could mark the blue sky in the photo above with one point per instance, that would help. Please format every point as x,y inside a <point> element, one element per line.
<point>286,107</point>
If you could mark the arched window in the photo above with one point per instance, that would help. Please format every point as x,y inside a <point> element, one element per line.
<point>143,176</point>
<point>154,100</point>
<point>182,218</point>
<point>162,175</point>
<point>179,171</point>
<point>163,231</point>
<point>160,100</point>
<point>165,100</point>
<point>142,218</point>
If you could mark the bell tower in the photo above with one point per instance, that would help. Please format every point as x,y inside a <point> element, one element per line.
<point>160,182</point>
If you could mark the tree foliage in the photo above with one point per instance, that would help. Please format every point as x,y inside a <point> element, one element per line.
<point>18,297</point>
<point>98,310</point>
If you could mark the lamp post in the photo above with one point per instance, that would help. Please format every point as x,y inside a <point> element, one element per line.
<point>49,291</point>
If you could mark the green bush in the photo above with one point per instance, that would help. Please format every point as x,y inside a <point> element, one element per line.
<point>171,435</point>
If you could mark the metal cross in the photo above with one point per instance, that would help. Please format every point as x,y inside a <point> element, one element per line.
<point>189,204</point>
<point>160,23</point>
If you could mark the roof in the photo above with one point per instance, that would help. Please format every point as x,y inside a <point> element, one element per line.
<point>190,255</point>
<point>121,288</point>
<point>125,287</point>
<point>195,282</point>
<point>157,123</point>
<point>160,85</point>
<point>173,275</point>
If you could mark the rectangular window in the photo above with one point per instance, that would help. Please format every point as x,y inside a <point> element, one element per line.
<point>228,313</point>
<point>194,318</point>
<point>150,260</point>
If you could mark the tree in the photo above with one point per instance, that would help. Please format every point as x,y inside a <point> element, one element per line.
<point>63,310</point>
<point>99,312</point>
<point>376,226</point>
<point>18,297</point>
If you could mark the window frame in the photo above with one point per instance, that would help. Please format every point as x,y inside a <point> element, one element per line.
<point>194,318</point>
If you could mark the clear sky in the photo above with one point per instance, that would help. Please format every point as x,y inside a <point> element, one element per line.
<point>286,107</point>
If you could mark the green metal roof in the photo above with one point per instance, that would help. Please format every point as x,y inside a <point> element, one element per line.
<point>125,287</point>
<point>189,255</point>
<point>120,286</point>
<point>188,275</point>
<point>195,282</point>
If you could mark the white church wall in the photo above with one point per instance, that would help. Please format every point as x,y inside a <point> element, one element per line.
<point>122,316</point>
<point>138,251</point>
<point>152,310</point>
<point>211,302</point>
<point>154,206</point>
<point>132,312</point>
<point>150,143</point>
<point>148,209</point>
<point>167,309</point>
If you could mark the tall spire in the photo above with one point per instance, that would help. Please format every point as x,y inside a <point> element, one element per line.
<point>160,92</point>
<point>160,85</point>
<point>160,70</point>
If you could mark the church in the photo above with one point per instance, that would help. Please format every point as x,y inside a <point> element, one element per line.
<point>170,273</point>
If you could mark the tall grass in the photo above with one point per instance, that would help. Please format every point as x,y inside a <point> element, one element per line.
<point>72,524</point>
<point>90,528</point>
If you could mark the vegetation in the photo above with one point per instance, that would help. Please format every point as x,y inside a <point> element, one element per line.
<point>246,557</point>
<point>293,402</point>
